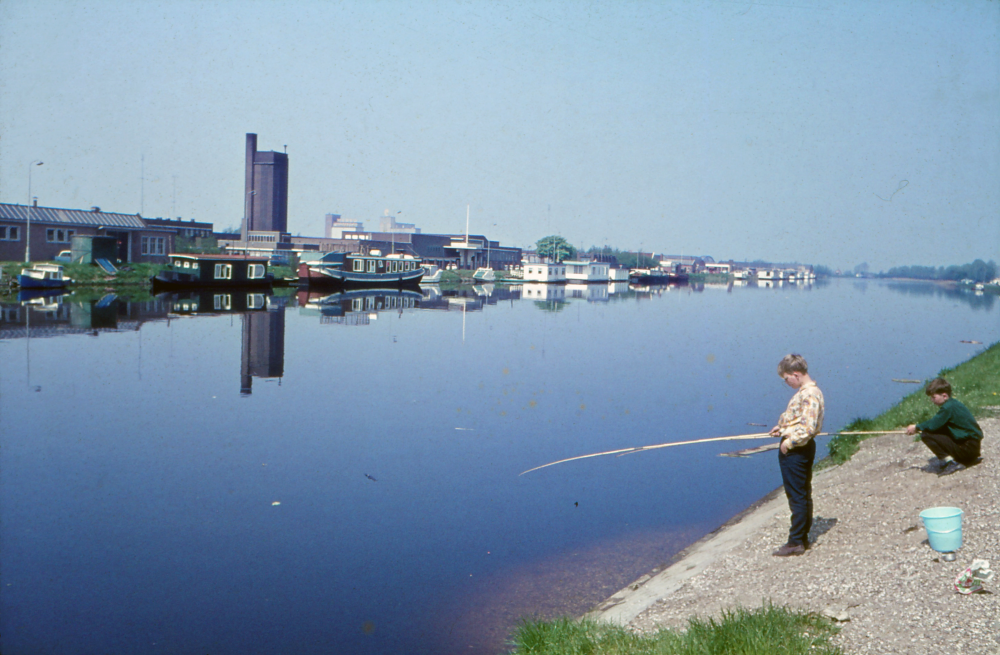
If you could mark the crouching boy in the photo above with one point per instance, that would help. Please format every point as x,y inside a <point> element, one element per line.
<point>953,434</point>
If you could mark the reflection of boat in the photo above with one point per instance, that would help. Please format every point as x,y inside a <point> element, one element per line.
<point>655,276</point>
<point>43,276</point>
<point>432,274</point>
<point>189,271</point>
<point>483,289</point>
<point>216,301</point>
<point>359,270</point>
<point>40,296</point>
<point>359,301</point>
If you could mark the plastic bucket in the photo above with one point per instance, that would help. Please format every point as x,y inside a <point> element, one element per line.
<point>944,528</point>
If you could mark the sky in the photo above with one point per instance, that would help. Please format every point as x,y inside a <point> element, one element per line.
<point>815,131</point>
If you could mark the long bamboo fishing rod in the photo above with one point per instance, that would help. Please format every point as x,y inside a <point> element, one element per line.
<point>636,449</point>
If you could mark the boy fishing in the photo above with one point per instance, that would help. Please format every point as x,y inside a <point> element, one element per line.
<point>953,434</point>
<point>797,427</point>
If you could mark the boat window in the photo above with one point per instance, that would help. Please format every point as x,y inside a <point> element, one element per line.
<point>187,264</point>
<point>359,265</point>
<point>194,264</point>
<point>223,300</point>
<point>371,265</point>
<point>223,271</point>
<point>255,300</point>
<point>255,271</point>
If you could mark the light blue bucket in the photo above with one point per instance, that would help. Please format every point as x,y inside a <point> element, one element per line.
<point>944,528</point>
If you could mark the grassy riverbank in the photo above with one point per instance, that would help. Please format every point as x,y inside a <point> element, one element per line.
<point>766,631</point>
<point>975,382</point>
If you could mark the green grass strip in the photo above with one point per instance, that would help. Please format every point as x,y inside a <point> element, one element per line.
<point>975,382</point>
<point>769,630</point>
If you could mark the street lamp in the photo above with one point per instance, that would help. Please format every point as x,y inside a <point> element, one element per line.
<point>27,243</point>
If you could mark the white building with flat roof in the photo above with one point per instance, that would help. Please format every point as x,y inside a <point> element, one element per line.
<point>544,272</point>
<point>586,271</point>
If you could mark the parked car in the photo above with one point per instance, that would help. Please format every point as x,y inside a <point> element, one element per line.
<point>64,257</point>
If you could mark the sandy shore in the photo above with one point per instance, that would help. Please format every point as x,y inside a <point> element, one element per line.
<point>870,568</point>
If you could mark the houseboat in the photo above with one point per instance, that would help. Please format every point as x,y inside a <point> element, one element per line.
<point>43,276</point>
<point>187,271</point>
<point>360,270</point>
<point>586,271</point>
<point>655,276</point>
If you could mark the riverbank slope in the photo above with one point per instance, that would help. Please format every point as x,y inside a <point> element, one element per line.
<point>870,568</point>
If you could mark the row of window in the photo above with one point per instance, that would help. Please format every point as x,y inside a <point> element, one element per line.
<point>225,271</point>
<point>390,266</point>
<point>56,235</point>
<point>222,301</point>
<point>552,271</point>
<point>154,245</point>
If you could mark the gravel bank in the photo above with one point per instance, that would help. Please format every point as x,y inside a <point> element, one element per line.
<point>870,568</point>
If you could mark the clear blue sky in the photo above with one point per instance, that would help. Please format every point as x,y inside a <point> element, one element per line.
<point>823,132</point>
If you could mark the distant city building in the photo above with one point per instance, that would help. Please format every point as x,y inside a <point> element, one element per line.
<point>335,226</point>
<point>388,223</point>
<point>265,190</point>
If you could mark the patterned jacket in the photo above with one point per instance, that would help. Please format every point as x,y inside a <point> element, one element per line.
<point>803,419</point>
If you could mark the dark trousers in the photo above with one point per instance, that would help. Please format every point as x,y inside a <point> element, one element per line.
<point>796,474</point>
<point>963,451</point>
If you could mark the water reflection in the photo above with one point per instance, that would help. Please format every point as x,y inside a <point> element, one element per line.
<point>972,298</point>
<point>371,503</point>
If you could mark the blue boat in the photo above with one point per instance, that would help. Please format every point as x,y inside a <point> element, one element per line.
<point>43,276</point>
<point>360,270</point>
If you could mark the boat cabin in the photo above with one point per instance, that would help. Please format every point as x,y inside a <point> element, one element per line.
<point>220,269</point>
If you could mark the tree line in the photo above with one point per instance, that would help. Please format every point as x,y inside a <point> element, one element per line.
<point>977,271</point>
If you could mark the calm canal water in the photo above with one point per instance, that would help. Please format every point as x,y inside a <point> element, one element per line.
<point>285,475</point>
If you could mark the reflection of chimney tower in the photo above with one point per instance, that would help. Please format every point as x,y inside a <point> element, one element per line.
<point>248,186</point>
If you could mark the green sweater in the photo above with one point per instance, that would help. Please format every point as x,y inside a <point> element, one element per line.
<point>953,419</point>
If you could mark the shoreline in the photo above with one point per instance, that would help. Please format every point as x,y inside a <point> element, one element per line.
<point>871,568</point>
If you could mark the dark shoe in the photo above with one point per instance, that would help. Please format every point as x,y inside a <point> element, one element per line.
<point>788,550</point>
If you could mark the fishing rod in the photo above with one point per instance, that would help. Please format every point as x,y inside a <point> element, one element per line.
<point>636,449</point>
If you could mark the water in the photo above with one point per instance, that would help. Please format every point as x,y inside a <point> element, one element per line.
<point>343,478</point>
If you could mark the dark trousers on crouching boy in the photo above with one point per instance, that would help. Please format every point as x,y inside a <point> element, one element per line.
<point>796,474</point>
<point>963,451</point>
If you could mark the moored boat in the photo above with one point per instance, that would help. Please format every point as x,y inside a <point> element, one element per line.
<point>655,276</point>
<point>360,270</point>
<point>432,274</point>
<point>43,276</point>
<point>484,274</point>
<point>191,271</point>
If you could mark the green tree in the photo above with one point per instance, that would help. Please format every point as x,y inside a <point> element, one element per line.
<point>555,248</point>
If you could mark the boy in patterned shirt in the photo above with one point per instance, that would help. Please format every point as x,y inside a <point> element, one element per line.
<point>797,427</point>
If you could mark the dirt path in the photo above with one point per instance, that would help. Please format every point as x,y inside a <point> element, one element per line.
<point>871,567</point>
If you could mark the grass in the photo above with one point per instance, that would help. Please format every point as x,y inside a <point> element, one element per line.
<point>91,275</point>
<point>975,383</point>
<point>769,630</point>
